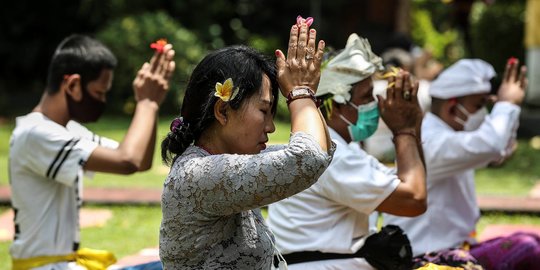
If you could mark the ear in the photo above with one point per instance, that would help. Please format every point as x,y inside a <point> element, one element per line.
<point>72,86</point>
<point>220,111</point>
<point>336,111</point>
<point>452,106</point>
<point>337,108</point>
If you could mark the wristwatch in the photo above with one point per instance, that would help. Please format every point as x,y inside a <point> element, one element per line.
<point>302,92</point>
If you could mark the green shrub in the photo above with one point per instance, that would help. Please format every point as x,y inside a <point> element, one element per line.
<point>129,38</point>
<point>426,35</point>
<point>497,32</point>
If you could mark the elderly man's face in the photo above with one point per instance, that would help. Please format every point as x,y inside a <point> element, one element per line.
<point>361,93</point>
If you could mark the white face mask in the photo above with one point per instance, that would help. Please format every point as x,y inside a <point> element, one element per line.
<point>474,120</point>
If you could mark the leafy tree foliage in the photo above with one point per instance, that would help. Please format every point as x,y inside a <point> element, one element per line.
<point>498,32</point>
<point>129,38</point>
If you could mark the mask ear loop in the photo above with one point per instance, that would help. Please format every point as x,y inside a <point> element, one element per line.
<point>282,265</point>
<point>462,109</point>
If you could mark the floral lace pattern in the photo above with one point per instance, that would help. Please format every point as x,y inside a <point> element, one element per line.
<point>207,202</point>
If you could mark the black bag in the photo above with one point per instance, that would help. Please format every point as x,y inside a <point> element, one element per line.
<point>388,249</point>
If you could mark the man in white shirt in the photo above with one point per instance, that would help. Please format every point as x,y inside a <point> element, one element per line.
<point>49,149</point>
<point>459,136</point>
<point>326,225</point>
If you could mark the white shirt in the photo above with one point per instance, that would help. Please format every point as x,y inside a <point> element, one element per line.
<point>451,157</point>
<point>45,173</point>
<point>332,215</point>
<point>424,99</point>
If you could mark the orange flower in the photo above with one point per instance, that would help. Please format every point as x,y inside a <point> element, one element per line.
<point>159,45</point>
<point>225,91</point>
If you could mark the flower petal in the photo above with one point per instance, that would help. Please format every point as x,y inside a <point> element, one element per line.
<point>219,88</point>
<point>225,91</point>
<point>228,84</point>
<point>159,45</point>
<point>234,93</point>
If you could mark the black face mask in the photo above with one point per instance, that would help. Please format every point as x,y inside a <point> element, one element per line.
<point>88,109</point>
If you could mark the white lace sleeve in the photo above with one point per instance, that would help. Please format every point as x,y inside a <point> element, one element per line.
<point>226,184</point>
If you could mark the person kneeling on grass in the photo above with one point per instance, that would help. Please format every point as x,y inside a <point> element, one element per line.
<point>49,150</point>
<point>459,136</point>
<point>327,226</point>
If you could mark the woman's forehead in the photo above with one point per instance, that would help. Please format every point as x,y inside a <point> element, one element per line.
<point>266,91</point>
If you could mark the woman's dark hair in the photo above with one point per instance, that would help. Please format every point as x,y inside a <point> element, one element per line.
<point>244,65</point>
<point>78,54</point>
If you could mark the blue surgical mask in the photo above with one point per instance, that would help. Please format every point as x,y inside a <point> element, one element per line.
<point>367,122</point>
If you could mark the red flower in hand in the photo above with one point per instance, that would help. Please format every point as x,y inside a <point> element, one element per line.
<point>512,60</point>
<point>159,45</point>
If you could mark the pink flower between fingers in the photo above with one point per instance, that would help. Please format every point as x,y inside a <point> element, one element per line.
<point>300,19</point>
<point>512,60</point>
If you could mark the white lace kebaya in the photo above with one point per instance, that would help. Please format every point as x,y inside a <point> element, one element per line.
<point>207,203</point>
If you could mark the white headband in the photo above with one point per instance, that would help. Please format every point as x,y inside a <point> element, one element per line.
<point>465,77</point>
<point>355,63</point>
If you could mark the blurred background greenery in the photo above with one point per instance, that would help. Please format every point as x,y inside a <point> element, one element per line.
<point>30,30</point>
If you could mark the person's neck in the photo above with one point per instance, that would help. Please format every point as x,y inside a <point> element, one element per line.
<point>340,127</point>
<point>53,107</point>
<point>209,141</point>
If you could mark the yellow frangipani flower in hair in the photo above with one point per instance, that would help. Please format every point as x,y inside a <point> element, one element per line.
<point>225,91</point>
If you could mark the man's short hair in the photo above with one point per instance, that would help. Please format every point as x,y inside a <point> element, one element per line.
<point>78,54</point>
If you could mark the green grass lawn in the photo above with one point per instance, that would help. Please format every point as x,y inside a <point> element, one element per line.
<point>515,177</point>
<point>131,229</point>
<point>115,128</point>
<point>136,227</point>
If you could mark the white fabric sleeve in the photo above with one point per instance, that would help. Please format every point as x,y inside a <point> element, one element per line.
<point>57,154</point>
<point>234,183</point>
<point>358,181</point>
<point>85,133</point>
<point>458,151</point>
